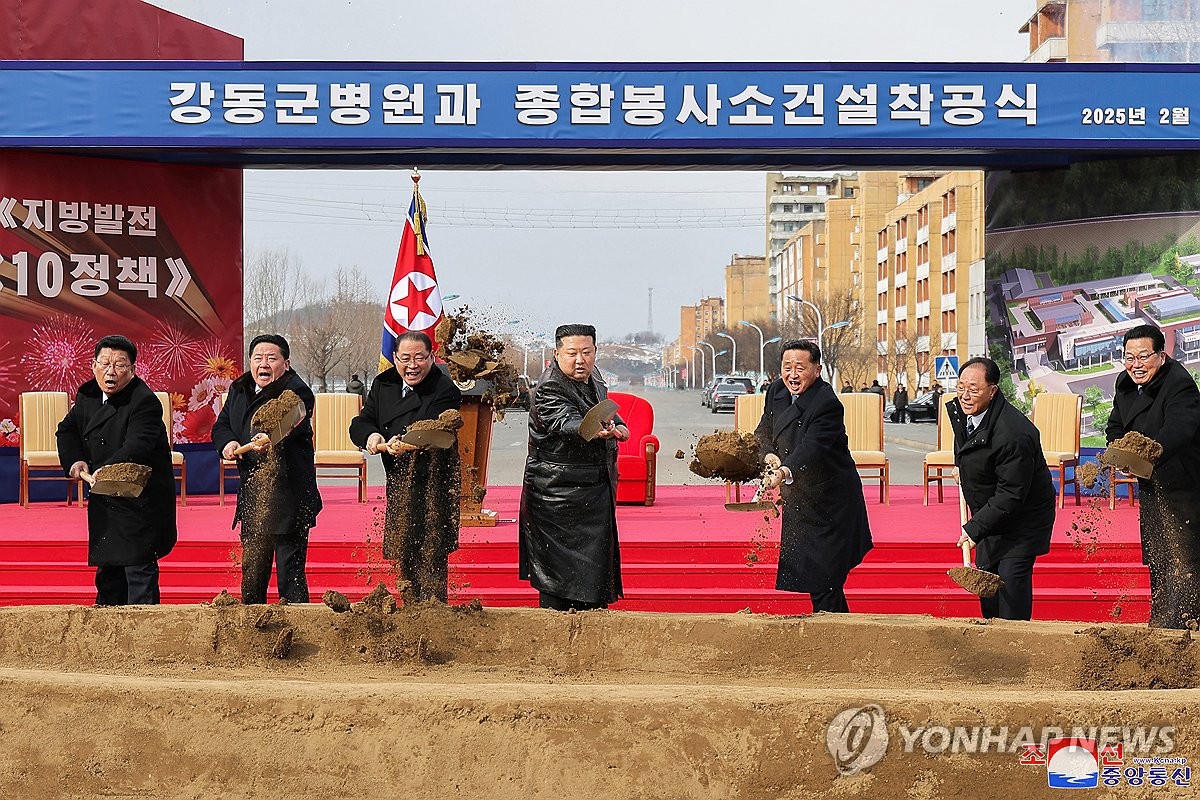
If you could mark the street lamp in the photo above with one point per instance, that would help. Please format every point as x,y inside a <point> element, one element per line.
<point>718,353</point>
<point>713,351</point>
<point>733,363</point>
<point>772,340</point>
<point>762,356</point>
<point>820,322</point>
<point>703,369</point>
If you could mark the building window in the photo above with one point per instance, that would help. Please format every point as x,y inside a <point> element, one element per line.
<point>1156,10</point>
<point>786,188</point>
<point>949,203</point>
<point>949,243</point>
<point>923,216</point>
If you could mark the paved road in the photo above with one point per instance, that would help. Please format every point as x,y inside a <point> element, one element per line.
<point>679,421</point>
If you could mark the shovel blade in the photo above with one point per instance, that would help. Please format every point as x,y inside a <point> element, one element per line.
<point>596,418</point>
<point>760,505</point>
<point>430,438</point>
<point>976,581</point>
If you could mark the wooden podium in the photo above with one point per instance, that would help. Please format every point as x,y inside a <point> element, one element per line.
<point>474,445</point>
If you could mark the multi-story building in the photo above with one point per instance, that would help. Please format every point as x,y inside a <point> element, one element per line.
<point>1114,30</point>
<point>746,295</point>
<point>792,202</point>
<point>696,323</point>
<point>929,290</point>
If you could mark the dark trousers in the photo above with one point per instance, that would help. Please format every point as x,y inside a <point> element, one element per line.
<point>556,603</point>
<point>1015,599</point>
<point>833,601</point>
<point>124,586</point>
<point>289,554</point>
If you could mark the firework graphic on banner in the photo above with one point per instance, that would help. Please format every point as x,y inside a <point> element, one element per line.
<point>214,361</point>
<point>10,374</point>
<point>173,350</point>
<point>58,354</point>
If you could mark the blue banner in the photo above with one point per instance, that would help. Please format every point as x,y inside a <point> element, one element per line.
<point>240,104</point>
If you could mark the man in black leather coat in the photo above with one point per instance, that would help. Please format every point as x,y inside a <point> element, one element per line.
<point>568,523</point>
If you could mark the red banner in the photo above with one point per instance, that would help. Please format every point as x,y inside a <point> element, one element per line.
<point>90,247</point>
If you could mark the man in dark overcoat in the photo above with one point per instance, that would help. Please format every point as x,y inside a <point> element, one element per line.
<point>802,437</point>
<point>1157,397</point>
<point>1007,485</point>
<point>117,419</point>
<point>568,522</point>
<point>278,501</point>
<point>423,485</point>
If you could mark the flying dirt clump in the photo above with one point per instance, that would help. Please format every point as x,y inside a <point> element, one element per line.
<point>1088,473</point>
<point>449,420</point>
<point>474,354</point>
<point>727,455</point>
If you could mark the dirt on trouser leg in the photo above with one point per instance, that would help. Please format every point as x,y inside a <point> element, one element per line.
<point>1171,549</point>
<point>421,519</point>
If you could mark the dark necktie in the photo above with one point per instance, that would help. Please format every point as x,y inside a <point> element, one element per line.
<point>405,392</point>
<point>970,429</point>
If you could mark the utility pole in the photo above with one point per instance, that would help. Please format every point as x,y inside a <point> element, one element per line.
<point>650,310</point>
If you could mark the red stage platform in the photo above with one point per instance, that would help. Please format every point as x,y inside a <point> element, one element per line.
<point>685,554</point>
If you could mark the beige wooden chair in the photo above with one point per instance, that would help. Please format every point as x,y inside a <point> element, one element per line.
<point>747,411</point>
<point>331,434</point>
<point>178,462</point>
<point>1058,418</point>
<point>939,465</point>
<point>864,427</point>
<point>40,414</point>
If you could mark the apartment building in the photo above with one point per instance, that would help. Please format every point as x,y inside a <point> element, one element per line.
<point>746,295</point>
<point>1129,31</point>
<point>929,289</point>
<point>793,201</point>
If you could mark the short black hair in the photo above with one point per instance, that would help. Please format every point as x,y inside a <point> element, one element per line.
<point>270,338</point>
<point>991,370</point>
<point>413,336</point>
<point>1150,332</point>
<point>563,331</point>
<point>810,347</point>
<point>117,342</point>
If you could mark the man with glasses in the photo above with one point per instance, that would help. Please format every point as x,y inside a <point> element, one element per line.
<point>420,522</point>
<point>1007,485</point>
<point>1157,397</point>
<point>117,419</point>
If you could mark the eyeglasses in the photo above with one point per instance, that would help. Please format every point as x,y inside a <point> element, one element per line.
<point>115,366</point>
<point>1140,358</point>
<point>972,392</point>
<point>421,359</point>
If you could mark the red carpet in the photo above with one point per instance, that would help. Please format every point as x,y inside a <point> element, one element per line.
<point>686,553</point>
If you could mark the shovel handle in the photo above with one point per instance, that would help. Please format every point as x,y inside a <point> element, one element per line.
<point>87,476</point>
<point>246,448</point>
<point>966,548</point>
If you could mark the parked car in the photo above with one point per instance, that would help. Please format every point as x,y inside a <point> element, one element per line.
<point>725,395</point>
<point>706,395</point>
<point>921,409</point>
<point>722,380</point>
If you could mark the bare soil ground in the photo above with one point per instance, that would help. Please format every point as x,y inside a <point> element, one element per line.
<point>434,701</point>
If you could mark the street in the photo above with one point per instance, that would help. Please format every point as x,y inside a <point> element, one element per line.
<point>679,422</point>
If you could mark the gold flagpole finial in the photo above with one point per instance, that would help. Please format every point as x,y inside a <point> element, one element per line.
<point>415,175</point>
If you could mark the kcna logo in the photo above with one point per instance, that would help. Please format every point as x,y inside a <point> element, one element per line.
<point>857,738</point>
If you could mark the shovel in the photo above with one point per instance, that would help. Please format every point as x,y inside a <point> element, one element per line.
<point>596,418</point>
<point>1127,462</point>
<point>131,480</point>
<point>975,581</point>
<point>755,503</point>
<point>290,410</point>
<point>430,438</point>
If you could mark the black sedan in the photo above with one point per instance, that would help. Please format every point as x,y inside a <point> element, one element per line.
<point>921,409</point>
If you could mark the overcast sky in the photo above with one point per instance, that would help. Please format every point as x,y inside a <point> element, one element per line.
<point>512,261</point>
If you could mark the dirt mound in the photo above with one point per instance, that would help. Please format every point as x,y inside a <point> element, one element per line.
<point>248,701</point>
<point>1137,658</point>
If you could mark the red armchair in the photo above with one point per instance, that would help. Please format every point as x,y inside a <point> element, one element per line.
<point>637,458</point>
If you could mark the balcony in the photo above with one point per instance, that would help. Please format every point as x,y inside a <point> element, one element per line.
<point>881,316</point>
<point>922,235</point>
<point>922,271</point>
<point>949,261</point>
<point>949,301</point>
<point>881,286</point>
<point>902,245</point>
<point>881,255</point>
<point>950,221</point>
<point>1053,49</point>
<point>901,279</point>
<point>1148,32</point>
<point>922,344</point>
<point>921,309</point>
<point>881,347</point>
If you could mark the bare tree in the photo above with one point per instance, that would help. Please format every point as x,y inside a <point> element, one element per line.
<point>839,305</point>
<point>271,295</point>
<point>358,308</point>
<point>316,334</point>
<point>902,354</point>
